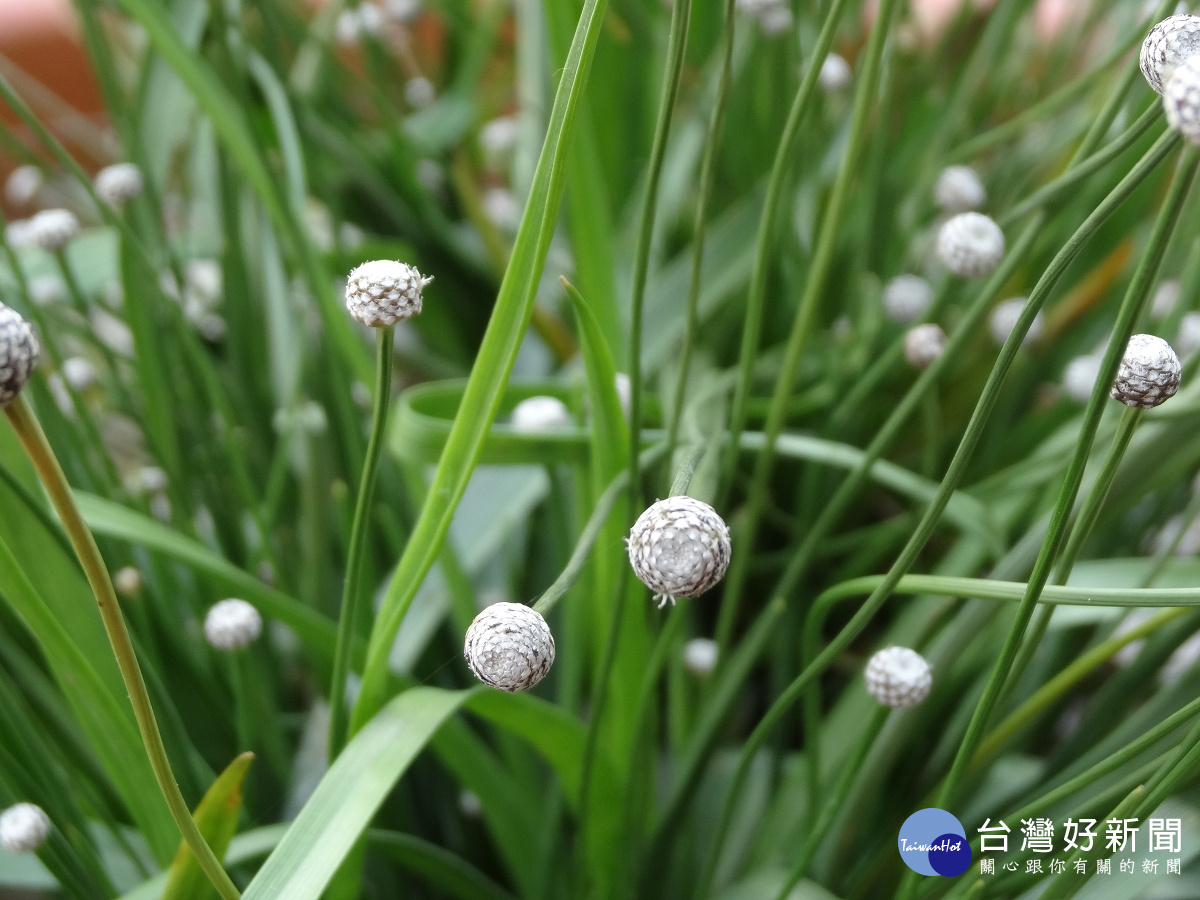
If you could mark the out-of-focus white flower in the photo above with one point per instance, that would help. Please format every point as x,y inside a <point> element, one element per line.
<point>23,828</point>
<point>232,624</point>
<point>1181,99</point>
<point>624,389</point>
<point>111,331</point>
<point>357,22</point>
<point>958,190</point>
<point>117,184</point>
<point>1004,319</point>
<point>151,480</point>
<point>23,185</point>
<point>501,207</point>
<point>540,414</point>
<point>46,290</point>
<point>923,344</point>
<point>403,11</point>
<point>1079,377</point>
<point>62,396</point>
<point>970,245</point>
<point>835,74</point>
<point>430,175</point>
<point>307,417</point>
<point>776,20</point>
<point>16,234</point>
<point>1188,340</point>
<point>79,373</point>
<point>470,805</point>
<point>419,92</point>
<point>700,656</point>
<point>497,139</point>
<point>906,298</point>
<point>53,229</point>
<point>1165,299</point>
<point>1182,661</point>
<point>128,582</point>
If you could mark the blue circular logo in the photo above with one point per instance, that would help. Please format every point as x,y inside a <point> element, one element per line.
<point>933,842</point>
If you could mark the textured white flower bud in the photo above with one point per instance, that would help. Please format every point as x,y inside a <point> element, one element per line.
<point>128,582</point>
<point>700,656</point>
<point>1188,340</point>
<point>23,828</point>
<point>53,229</point>
<point>79,373</point>
<point>1079,377</point>
<point>1165,299</point>
<point>419,92</point>
<point>23,185</point>
<point>540,414</point>
<point>382,292</point>
<point>923,344</point>
<point>117,184</point>
<point>1149,372</point>
<point>679,547</point>
<point>1168,44</point>
<point>18,354</point>
<point>1004,319</point>
<point>970,245</point>
<point>898,677</point>
<point>509,646</point>
<point>906,298</point>
<point>232,624</point>
<point>835,74</point>
<point>958,190</point>
<point>1181,99</point>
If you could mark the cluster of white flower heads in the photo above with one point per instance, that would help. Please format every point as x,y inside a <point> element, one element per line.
<point>540,414</point>
<point>382,292</point>
<point>1149,372</point>
<point>19,352</point>
<point>898,677</point>
<point>906,298</point>
<point>679,547</point>
<point>23,828</point>
<point>118,184</point>
<point>1168,44</point>
<point>923,344</point>
<point>509,647</point>
<point>835,74</point>
<point>1004,319</point>
<point>356,22</point>
<point>970,245</point>
<point>52,229</point>
<point>232,624</point>
<point>958,190</point>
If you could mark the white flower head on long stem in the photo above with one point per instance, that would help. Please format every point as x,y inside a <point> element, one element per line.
<point>898,677</point>
<point>382,292</point>
<point>509,646</point>
<point>958,190</point>
<point>1149,373</point>
<point>232,624</point>
<point>117,184</point>
<point>970,245</point>
<point>679,547</point>
<point>53,229</point>
<point>537,414</point>
<point>906,298</point>
<point>19,353</point>
<point>1168,44</point>
<point>923,344</point>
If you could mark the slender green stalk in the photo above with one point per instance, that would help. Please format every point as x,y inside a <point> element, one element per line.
<point>708,168</point>
<point>814,289</point>
<point>352,599</point>
<point>29,432</point>
<point>681,13</point>
<point>767,227</point>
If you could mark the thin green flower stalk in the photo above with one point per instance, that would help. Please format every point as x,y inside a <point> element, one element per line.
<point>353,599</point>
<point>1135,298</point>
<point>950,481</point>
<point>681,13</point>
<point>29,432</point>
<point>802,324</point>
<point>708,167</point>
<point>766,235</point>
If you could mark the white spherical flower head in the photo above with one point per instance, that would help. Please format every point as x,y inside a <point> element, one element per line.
<point>835,74</point>
<point>23,185</point>
<point>906,298</point>
<point>898,677</point>
<point>1004,319</point>
<point>119,183</point>
<point>775,20</point>
<point>700,656</point>
<point>509,647</point>
<point>1181,99</point>
<point>970,245</point>
<point>540,414</point>
<point>419,92</point>
<point>23,828</point>
<point>232,624</point>
<point>53,229</point>
<point>1168,44</point>
<point>19,352</point>
<point>382,292</point>
<point>1149,372</point>
<point>958,190</point>
<point>923,344</point>
<point>679,547</point>
<point>1079,377</point>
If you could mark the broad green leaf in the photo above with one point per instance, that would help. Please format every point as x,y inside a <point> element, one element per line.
<point>347,798</point>
<point>217,818</point>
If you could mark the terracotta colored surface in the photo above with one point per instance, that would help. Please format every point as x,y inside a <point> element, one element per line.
<point>42,38</point>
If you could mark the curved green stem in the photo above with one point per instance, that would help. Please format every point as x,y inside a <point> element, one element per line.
<point>33,440</point>
<point>352,602</point>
